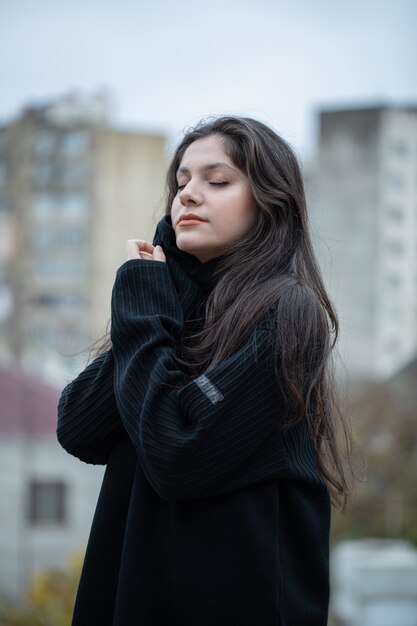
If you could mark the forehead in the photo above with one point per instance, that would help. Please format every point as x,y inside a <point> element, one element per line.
<point>205,150</point>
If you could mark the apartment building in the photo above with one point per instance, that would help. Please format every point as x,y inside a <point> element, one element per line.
<point>73,189</point>
<point>363,203</point>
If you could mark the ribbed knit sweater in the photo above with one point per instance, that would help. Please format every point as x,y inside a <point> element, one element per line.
<point>211,513</point>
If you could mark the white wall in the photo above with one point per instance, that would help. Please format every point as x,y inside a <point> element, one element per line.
<point>25,547</point>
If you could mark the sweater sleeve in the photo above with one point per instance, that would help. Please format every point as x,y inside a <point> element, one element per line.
<point>88,419</point>
<point>192,436</point>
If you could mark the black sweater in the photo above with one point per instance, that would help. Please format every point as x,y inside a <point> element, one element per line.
<point>210,512</point>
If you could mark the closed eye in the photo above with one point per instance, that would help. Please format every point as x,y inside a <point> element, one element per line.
<point>220,184</point>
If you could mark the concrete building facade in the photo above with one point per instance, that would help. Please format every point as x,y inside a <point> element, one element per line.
<point>364,213</point>
<point>72,191</point>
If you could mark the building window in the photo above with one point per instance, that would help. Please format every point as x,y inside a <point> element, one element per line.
<point>395,180</point>
<point>6,300</point>
<point>74,143</point>
<point>400,148</point>
<point>395,246</point>
<point>394,281</point>
<point>5,202</point>
<point>51,237</point>
<point>395,213</point>
<point>43,174</point>
<point>68,341</point>
<point>74,205</point>
<point>44,143</point>
<point>3,142</point>
<point>3,172</point>
<point>73,174</point>
<point>60,268</point>
<point>44,205</point>
<point>42,334</point>
<point>47,502</point>
<point>61,301</point>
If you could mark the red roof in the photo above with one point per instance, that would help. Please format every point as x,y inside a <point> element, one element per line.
<point>28,404</point>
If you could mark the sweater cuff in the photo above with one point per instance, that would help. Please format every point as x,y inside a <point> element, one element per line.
<point>145,288</point>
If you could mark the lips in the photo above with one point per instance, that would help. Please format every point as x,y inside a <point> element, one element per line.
<point>189,219</point>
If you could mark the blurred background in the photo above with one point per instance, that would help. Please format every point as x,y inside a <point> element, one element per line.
<point>94,96</point>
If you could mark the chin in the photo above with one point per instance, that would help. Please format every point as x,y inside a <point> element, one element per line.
<point>187,247</point>
<point>184,246</point>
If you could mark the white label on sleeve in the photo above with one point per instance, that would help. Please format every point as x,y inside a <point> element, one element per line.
<point>209,390</point>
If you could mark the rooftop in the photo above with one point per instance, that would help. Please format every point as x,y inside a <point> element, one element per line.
<point>28,404</point>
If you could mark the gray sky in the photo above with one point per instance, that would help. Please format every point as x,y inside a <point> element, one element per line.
<point>170,62</point>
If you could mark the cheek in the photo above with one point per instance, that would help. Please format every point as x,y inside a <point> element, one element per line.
<point>237,225</point>
<point>246,218</point>
<point>174,211</point>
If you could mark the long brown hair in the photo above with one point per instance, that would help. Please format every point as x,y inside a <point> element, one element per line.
<point>274,269</point>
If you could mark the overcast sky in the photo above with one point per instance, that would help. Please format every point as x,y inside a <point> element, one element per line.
<point>170,62</point>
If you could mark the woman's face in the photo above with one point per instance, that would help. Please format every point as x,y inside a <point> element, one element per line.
<point>214,206</point>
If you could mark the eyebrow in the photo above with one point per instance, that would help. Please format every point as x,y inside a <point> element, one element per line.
<point>207,168</point>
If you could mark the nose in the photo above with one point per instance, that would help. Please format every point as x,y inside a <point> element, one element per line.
<point>190,196</point>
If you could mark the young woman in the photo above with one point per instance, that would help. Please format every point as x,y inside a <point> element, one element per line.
<point>213,407</point>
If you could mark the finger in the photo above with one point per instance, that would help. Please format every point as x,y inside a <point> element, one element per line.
<point>146,256</point>
<point>158,254</point>
<point>132,250</point>
<point>139,249</point>
<point>143,245</point>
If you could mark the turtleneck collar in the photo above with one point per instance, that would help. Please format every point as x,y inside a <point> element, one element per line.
<point>204,274</point>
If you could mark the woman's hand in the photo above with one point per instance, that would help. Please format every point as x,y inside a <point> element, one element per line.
<point>140,249</point>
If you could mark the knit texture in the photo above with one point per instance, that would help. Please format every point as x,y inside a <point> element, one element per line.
<point>211,512</point>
